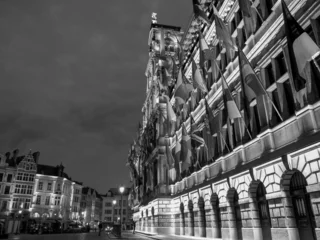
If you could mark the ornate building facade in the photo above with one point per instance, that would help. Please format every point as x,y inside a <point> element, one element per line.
<point>55,195</point>
<point>91,207</point>
<point>256,176</point>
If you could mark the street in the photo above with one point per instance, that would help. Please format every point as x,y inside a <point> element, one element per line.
<point>94,236</point>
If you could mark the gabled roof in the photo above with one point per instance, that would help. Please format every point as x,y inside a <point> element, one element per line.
<point>51,171</point>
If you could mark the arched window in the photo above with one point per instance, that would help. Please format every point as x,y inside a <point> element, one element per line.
<point>302,206</point>
<point>36,215</point>
<point>237,211</point>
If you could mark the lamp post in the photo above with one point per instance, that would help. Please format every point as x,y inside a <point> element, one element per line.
<point>113,203</point>
<point>121,189</point>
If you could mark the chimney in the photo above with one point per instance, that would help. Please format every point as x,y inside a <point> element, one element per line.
<point>15,155</point>
<point>7,156</point>
<point>60,170</point>
<point>36,156</point>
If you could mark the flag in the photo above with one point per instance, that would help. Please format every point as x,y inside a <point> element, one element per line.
<point>229,103</point>
<point>177,150</point>
<point>245,7</point>
<point>170,159</point>
<point>199,12</point>
<point>207,53</point>
<point>209,142</point>
<point>162,43</point>
<point>222,31</point>
<point>183,89</point>
<point>193,101</point>
<point>195,127</point>
<point>186,155</point>
<point>197,138</point>
<point>215,122</point>
<point>198,78</point>
<point>253,86</point>
<point>170,113</point>
<point>301,47</point>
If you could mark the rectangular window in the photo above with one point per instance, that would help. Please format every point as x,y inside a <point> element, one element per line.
<point>9,178</point>
<point>38,201</point>
<point>15,203</point>
<point>77,191</point>
<point>29,189</point>
<point>19,177</point>
<point>7,190</point>
<point>58,189</point>
<point>4,206</point>
<point>49,187</point>
<point>1,177</point>
<point>23,189</point>
<point>57,201</point>
<point>124,211</point>
<point>17,189</point>
<point>27,204</point>
<point>31,178</point>
<point>109,211</point>
<point>124,203</point>
<point>25,177</point>
<point>115,212</point>
<point>40,186</point>
<point>47,200</point>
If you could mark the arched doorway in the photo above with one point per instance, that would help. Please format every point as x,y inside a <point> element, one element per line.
<point>191,218</point>
<point>264,214</point>
<point>216,216</point>
<point>302,206</point>
<point>183,221</point>
<point>202,218</point>
<point>237,213</point>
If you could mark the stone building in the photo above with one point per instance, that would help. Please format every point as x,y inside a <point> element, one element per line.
<point>111,213</point>
<point>258,176</point>
<point>91,207</point>
<point>55,195</point>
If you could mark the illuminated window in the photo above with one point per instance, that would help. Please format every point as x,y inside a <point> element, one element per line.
<point>23,189</point>
<point>38,201</point>
<point>57,201</point>
<point>25,176</point>
<point>49,187</point>
<point>31,178</point>
<point>47,202</point>
<point>15,203</point>
<point>17,189</point>
<point>29,190</point>
<point>27,204</point>
<point>19,177</point>
<point>40,185</point>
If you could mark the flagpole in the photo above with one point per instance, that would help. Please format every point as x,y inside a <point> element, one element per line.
<point>224,141</point>
<point>258,79</point>
<point>223,79</point>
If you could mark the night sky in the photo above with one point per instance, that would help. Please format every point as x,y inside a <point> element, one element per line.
<point>72,80</point>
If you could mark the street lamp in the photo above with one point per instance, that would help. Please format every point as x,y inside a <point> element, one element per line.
<point>113,203</point>
<point>121,189</point>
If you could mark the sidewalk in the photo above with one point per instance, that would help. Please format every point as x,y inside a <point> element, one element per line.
<point>139,234</point>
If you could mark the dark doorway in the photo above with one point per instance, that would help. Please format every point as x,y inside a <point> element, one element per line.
<point>264,213</point>
<point>302,206</point>
<point>237,212</point>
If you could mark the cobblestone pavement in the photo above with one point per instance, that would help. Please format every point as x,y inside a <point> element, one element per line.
<point>94,236</point>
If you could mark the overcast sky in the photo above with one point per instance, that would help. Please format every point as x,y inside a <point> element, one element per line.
<point>72,80</point>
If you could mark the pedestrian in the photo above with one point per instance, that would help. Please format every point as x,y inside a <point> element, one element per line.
<point>100,228</point>
<point>134,227</point>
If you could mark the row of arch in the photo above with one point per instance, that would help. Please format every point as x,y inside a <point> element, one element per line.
<point>214,219</point>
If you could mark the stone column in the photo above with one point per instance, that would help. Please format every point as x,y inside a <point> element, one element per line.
<point>290,221</point>
<point>256,223</point>
<point>232,221</point>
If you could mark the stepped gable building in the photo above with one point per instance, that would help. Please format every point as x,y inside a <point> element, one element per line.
<point>199,169</point>
<point>56,196</point>
<point>91,207</point>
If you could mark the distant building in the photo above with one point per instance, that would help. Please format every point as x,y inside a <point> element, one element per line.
<point>17,174</point>
<point>90,207</point>
<point>76,200</point>
<point>111,213</point>
<point>54,195</point>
